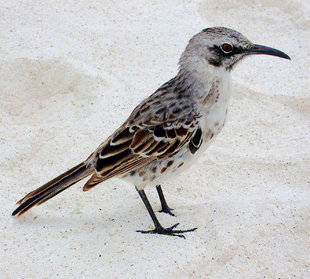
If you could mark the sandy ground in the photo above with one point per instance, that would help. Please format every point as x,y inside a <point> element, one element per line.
<point>72,71</point>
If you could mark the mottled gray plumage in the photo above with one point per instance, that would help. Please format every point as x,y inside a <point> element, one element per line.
<point>170,129</point>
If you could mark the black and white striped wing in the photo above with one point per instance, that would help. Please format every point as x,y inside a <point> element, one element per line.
<point>153,131</point>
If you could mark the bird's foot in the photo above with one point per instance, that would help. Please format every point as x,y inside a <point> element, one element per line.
<point>167,209</point>
<point>169,231</point>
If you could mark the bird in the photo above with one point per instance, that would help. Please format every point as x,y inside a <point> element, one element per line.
<point>168,131</point>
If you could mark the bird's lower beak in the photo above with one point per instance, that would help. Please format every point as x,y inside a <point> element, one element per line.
<point>259,49</point>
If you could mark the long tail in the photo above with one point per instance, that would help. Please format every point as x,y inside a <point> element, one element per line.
<point>53,187</point>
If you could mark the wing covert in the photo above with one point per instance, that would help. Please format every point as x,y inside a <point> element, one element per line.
<point>156,129</point>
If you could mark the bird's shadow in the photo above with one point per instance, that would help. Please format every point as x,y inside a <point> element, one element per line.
<point>88,222</point>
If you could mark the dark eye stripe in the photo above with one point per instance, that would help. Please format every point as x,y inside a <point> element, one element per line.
<point>219,51</point>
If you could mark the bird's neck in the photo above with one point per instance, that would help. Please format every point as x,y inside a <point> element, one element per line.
<point>198,75</point>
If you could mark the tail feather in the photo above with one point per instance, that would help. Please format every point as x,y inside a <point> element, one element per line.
<point>53,187</point>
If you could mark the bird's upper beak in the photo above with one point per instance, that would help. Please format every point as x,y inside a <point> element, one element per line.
<point>259,49</point>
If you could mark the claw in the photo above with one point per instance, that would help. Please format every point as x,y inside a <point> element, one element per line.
<point>169,231</point>
<point>167,210</point>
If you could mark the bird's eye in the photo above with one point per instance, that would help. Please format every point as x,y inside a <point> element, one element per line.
<point>226,48</point>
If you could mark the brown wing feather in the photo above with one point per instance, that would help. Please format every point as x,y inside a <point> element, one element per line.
<point>133,164</point>
<point>153,131</point>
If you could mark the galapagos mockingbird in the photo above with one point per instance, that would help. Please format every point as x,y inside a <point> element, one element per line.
<point>170,129</point>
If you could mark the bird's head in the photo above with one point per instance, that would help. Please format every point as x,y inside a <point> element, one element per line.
<point>223,47</point>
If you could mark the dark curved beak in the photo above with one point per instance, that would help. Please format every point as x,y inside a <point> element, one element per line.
<point>259,49</point>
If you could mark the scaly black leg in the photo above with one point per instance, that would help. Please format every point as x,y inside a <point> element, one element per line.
<point>164,206</point>
<point>158,227</point>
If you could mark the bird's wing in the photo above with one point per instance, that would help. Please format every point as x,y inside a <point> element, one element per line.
<point>156,129</point>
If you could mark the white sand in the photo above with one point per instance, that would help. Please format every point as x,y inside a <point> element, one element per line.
<point>72,71</point>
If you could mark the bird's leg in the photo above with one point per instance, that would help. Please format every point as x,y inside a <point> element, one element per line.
<point>164,206</point>
<point>158,227</point>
